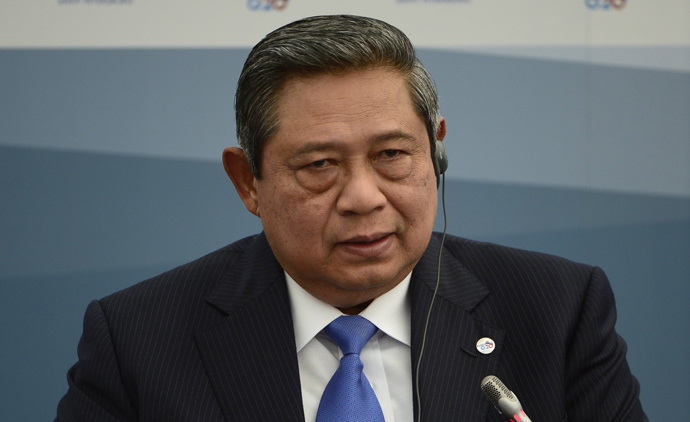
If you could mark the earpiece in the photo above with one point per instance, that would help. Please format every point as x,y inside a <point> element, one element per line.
<point>440,160</point>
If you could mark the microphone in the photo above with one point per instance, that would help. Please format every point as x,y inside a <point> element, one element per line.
<point>505,402</point>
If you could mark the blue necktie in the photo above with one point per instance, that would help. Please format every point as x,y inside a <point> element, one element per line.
<point>348,397</point>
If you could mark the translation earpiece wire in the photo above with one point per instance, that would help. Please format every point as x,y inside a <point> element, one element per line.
<point>433,297</point>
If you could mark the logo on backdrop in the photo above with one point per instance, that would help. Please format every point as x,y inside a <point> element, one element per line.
<point>606,4</point>
<point>266,5</point>
<point>432,1</point>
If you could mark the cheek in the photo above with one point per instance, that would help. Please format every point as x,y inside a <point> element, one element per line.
<point>420,190</point>
<point>425,209</point>
<point>419,205</point>
<point>292,212</point>
<point>415,203</point>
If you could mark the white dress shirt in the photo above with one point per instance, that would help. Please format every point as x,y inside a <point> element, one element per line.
<point>386,357</point>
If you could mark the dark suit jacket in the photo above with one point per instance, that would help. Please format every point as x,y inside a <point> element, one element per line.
<point>213,341</point>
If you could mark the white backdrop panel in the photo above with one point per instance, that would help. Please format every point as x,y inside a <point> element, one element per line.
<point>430,23</point>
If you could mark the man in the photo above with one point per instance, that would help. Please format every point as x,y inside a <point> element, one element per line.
<point>341,154</point>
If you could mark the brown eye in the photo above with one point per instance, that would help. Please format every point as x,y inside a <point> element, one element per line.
<point>391,153</point>
<point>318,164</point>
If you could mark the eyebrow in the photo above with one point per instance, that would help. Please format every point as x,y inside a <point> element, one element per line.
<point>394,135</point>
<point>322,146</point>
<point>313,146</point>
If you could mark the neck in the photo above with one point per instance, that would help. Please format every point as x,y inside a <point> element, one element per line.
<point>354,310</point>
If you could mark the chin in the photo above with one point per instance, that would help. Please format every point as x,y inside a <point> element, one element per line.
<point>364,280</point>
<point>366,289</point>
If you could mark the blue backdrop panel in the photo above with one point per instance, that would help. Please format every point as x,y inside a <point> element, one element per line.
<point>175,103</point>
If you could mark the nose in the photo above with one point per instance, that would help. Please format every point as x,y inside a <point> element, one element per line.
<point>361,193</point>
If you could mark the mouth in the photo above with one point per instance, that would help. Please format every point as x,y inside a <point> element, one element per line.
<point>368,246</point>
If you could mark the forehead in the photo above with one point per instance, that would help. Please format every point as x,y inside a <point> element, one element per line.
<point>343,85</point>
<point>357,104</point>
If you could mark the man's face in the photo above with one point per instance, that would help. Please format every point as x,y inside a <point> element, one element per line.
<point>348,195</point>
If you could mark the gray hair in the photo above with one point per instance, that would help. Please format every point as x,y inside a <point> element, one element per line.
<point>331,44</point>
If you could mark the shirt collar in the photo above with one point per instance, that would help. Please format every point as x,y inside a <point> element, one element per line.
<point>390,312</point>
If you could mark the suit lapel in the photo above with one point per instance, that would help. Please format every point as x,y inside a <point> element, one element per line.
<point>250,355</point>
<point>451,369</point>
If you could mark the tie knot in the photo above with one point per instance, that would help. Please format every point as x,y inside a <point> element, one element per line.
<point>351,333</point>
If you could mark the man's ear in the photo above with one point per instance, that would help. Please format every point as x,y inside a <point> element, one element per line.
<point>441,129</point>
<point>237,168</point>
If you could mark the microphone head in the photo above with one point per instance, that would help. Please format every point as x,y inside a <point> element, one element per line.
<point>500,396</point>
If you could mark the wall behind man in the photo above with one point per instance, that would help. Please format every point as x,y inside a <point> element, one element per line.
<point>568,133</point>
